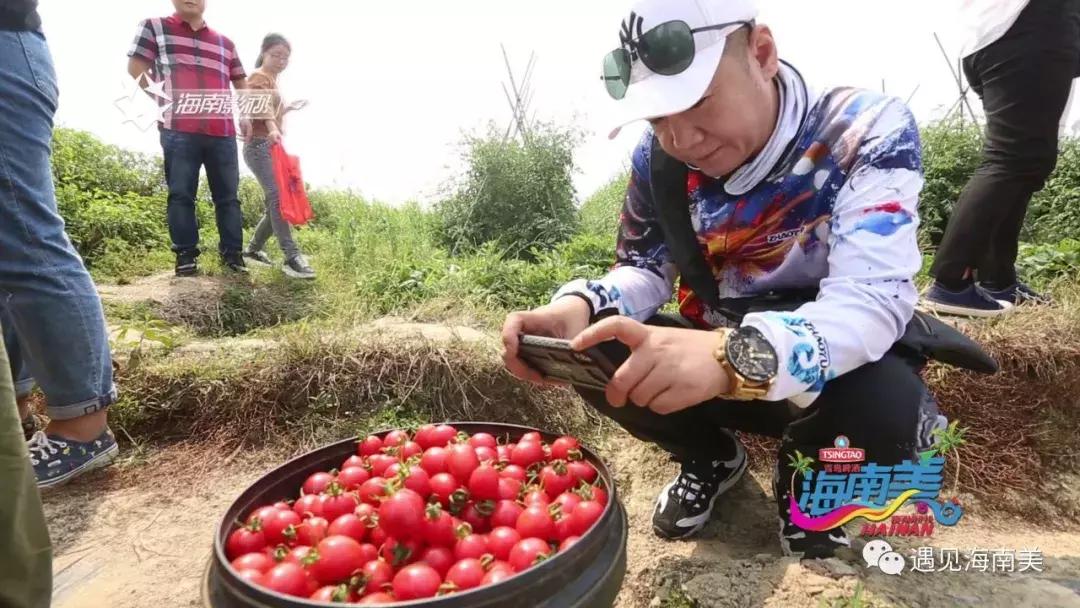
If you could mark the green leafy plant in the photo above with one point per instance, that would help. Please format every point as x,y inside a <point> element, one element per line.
<point>947,440</point>
<point>1053,214</point>
<point>1044,263</point>
<point>516,194</point>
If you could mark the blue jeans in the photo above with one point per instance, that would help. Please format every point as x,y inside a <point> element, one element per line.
<point>46,294</point>
<point>185,154</point>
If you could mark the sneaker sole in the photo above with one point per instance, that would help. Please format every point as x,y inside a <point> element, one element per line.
<point>187,272</point>
<point>289,272</point>
<point>820,551</point>
<point>102,460</point>
<point>721,490</point>
<point>949,309</point>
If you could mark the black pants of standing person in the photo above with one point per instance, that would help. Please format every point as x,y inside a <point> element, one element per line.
<point>1023,80</point>
<point>884,408</point>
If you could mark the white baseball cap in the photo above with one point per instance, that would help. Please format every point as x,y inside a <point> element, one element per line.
<point>651,95</point>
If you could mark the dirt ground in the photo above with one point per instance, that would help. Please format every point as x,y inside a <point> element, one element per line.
<point>139,536</point>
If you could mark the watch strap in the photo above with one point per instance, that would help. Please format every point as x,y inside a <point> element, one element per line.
<point>739,388</point>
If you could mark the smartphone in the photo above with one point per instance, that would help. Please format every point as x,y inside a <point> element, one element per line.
<point>555,360</point>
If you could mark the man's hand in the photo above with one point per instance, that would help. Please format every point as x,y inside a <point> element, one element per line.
<point>563,318</point>
<point>274,135</point>
<point>669,369</point>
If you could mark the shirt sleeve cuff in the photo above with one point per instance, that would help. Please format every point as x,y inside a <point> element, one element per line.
<point>141,54</point>
<point>802,356</point>
<point>580,288</point>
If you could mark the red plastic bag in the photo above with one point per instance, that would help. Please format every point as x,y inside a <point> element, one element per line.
<point>292,198</point>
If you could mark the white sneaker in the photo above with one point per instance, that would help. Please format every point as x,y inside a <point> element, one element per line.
<point>298,268</point>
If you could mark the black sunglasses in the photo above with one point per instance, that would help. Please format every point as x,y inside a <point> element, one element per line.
<point>667,49</point>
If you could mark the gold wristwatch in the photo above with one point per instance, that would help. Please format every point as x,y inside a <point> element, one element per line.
<point>749,361</point>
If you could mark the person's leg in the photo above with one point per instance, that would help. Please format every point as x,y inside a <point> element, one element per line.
<point>223,174</point>
<point>20,373</point>
<point>48,293</point>
<point>183,158</point>
<point>26,559</point>
<point>257,157</point>
<point>1024,81</point>
<point>263,230</point>
<point>890,425</point>
<point>1027,127</point>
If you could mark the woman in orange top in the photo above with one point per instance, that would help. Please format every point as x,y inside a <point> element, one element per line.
<point>266,131</point>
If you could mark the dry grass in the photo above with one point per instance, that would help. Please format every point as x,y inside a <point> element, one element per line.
<point>322,385</point>
<point>1022,422</point>
<point>318,386</point>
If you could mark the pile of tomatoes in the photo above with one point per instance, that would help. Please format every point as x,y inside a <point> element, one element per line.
<point>410,517</point>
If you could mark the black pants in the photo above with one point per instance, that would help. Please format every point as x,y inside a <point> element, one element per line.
<point>884,408</point>
<point>1023,80</point>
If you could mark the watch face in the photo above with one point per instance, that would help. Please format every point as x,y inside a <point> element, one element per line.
<point>751,355</point>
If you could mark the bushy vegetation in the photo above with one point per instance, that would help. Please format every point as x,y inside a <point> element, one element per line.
<point>506,235</point>
<point>114,201</point>
<point>600,212</point>
<point>515,194</point>
<point>951,154</point>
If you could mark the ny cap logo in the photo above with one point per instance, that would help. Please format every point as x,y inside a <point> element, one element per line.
<point>630,34</point>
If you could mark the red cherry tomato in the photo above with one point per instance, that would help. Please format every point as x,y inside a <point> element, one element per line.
<point>369,446</point>
<point>527,553</point>
<point>501,540</point>
<point>253,561</point>
<point>416,581</point>
<point>466,574</point>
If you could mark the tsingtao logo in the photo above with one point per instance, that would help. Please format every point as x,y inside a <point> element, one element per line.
<point>841,452</point>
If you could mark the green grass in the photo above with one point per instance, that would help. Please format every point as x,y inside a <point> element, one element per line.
<point>600,212</point>
<point>678,599</point>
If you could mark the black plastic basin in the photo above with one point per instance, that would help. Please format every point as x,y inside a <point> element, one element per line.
<point>587,575</point>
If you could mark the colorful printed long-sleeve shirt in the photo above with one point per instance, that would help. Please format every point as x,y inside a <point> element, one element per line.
<point>836,210</point>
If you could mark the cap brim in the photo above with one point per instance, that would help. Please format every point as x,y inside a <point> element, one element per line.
<point>659,95</point>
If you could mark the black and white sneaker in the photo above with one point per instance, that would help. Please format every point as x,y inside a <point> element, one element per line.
<point>258,258</point>
<point>796,542</point>
<point>186,264</point>
<point>235,262</point>
<point>685,505</point>
<point>298,268</point>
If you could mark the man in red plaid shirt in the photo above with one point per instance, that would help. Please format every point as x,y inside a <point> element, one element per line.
<point>188,69</point>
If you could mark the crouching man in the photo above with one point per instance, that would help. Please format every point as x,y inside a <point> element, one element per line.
<point>789,217</point>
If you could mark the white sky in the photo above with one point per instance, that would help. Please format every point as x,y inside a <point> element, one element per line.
<point>393,84</point>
